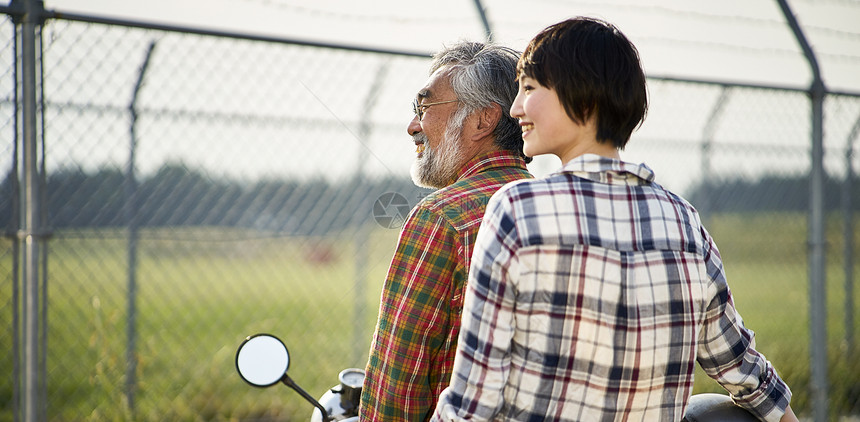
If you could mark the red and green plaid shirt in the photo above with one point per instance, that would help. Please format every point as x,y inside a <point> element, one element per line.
<point>419,314</point>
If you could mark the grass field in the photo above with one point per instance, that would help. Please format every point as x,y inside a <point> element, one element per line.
<point>200,292</point>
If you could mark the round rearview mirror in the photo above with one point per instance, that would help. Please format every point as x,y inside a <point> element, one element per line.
<point>262,360</point>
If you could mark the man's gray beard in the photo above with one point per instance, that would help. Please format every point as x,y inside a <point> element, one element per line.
<point>436,169</point>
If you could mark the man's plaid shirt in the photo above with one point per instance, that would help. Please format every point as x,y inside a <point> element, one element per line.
<point>419,315</point>
<point>592,294</point>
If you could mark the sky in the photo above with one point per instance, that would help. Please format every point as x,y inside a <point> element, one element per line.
<point>744,41</point>
<point>729,40</point>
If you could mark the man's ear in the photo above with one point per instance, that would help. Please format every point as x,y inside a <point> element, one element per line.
<point>486,120</point>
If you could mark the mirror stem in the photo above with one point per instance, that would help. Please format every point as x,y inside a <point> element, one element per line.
<point>290,383</point>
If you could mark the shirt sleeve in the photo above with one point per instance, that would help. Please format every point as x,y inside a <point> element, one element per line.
<point>727,352</point>
<point>401,382</point>
<point>482,362</point>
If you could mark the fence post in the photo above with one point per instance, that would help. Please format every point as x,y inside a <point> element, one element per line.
<point>31,234</point>
<point>848,248</point>
<point>706,206</point>
<point>362,235</point>
<point>817,273</point>
<point>131,216</point>
<point>482,13</point>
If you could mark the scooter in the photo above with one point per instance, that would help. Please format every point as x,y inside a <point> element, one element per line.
<point>263,360</point>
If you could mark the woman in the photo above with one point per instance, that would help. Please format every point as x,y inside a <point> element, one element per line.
<point>593,291</point>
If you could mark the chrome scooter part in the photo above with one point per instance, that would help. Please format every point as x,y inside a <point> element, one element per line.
<point>342,400</point>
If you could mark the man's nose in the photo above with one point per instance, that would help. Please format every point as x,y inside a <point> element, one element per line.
<point>414,127</point>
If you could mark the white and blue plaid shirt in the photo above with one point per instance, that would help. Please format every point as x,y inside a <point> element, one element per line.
<point>591,295</point>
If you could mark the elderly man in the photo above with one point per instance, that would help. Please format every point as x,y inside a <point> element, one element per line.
<point>468,147</point>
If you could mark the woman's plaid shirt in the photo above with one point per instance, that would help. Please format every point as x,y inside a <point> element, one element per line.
<point>592,294</point>
<point>419,315</point>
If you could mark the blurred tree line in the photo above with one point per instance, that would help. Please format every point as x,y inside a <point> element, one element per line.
<point>179,196</point>
<point>769,193</point>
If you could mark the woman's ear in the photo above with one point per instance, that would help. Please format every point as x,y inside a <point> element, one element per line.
<point>486,121</point>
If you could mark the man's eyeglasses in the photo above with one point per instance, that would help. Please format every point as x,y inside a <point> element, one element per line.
<point>419,108</point>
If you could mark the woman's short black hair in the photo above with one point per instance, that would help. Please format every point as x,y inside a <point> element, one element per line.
<point>595,70</point>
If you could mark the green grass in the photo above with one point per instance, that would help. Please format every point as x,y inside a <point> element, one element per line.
<point>197,299</point>
<point>765,257</point>
<point>200,292</point>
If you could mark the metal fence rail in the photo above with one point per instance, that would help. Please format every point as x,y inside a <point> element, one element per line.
<point>178,189</point>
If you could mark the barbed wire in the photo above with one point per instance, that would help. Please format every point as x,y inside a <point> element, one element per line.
<point>686,14</point>
<point>834,32</point>
<point>728,18</point>
<point>819,2</point>
<point>747,49</point>
<point>315,10</point>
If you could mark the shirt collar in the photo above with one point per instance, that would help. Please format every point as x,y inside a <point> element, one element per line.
<point>607,170</point>
<point>491,160</point>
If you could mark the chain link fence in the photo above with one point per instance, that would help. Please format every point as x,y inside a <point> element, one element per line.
<point>199,189</point>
